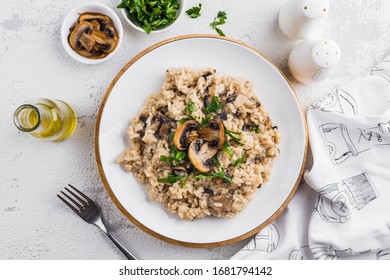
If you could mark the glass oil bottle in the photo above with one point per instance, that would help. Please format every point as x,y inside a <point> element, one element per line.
<point>52,120</point>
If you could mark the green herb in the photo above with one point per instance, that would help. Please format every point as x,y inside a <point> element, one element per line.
<point>214,106</point>
<point>215,161</point>
<point>194,12</point>
<point>183,120</point>
<point>191,107</point>
<point>219,31</point>
<point>213,175</point>
<point>226,148</point>
<point>257,130</point>
<point>182,186</point>
<point>171,136</point>
<point>176,156</point>
<point>151,14</point>
<point>171,179</point>
<point>219,20</point>
<point>241,160</point>
<point>234,138</point>
<point>205,121</point>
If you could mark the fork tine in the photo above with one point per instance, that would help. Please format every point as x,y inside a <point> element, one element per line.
<point>74,201</point>
<point>70,205</point>
<point>83,202</point>
<point>80,193</point>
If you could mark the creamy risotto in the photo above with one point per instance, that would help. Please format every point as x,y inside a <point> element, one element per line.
<point>203,145</point>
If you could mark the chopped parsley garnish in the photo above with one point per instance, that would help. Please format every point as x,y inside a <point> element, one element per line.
<point>219,20</point>
<point>182,186</point>
<point>257,130</point>
<point>215,161</point>
<point>176,156</point>
<point>183,120</point>
<point>170,136</point>
<point>234,138</point>
<point>241,160</point>
<point>214,106</point>
<point>226,148</point>
<point>151,14</point>
<point>171,179</point>
<point>205,121</point>
<point>194,12</point>
<point>190,107</point>
<point>213,175</point>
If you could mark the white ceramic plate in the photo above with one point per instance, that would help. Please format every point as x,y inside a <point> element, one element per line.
<point>143,76</point>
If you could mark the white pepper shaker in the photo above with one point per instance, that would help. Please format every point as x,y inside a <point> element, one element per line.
<point>302,19</point>
<point>313,60</point>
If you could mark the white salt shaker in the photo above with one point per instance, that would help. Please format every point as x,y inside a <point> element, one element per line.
<point>313,60</point>
<point>302,19</point>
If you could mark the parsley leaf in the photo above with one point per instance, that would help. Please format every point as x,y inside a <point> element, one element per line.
<point>214,106</point>
<point>241,160</point>
<point>234,138</point>
<point>213,175</point>
<point>182,186</point>
<point>205,121</point>
<point>176,156</point>
<point>257,130</point>
<point>151,14</point>
<point>171,179</point>
<point>226,148</point>
<point>219,20</point>
<point>171,136</point>
<point>194,12</point>
<point>191,107</point>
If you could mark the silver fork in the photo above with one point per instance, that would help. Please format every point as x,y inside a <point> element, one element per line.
<point>85,208</point>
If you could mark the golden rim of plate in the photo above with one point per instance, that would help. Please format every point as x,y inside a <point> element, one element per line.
<point>134,220</point>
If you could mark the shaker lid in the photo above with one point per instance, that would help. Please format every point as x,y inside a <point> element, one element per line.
<point>326,53</point>
<point>314,9</point>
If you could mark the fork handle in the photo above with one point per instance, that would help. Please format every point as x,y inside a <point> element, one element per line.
<point>126,252</point>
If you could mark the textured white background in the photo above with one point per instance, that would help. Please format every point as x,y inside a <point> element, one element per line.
<point>33,222</point>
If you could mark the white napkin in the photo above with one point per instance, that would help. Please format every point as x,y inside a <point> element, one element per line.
<point>344,210</point>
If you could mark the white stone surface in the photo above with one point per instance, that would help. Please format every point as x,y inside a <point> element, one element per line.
<point>33,222</point>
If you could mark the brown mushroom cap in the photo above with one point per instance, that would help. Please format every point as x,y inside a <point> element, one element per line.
<point>200,153</point>
<point>214,133</point>
<point>185,134</point>
<point>78,31</point>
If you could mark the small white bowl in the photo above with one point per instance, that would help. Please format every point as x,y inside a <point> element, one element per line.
<point>125,14</point>
<point>73,16</point>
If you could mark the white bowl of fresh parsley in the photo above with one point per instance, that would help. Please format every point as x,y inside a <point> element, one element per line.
<point>151,16</point>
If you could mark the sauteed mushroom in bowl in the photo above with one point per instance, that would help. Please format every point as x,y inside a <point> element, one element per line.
<point>91,33</point>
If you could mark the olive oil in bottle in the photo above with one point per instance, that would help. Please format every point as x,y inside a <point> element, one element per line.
<point>52,120</point>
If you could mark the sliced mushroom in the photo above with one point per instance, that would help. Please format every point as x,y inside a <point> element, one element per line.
<point>90,16</point>
<point>200,154</point>
<point>219,205</point>
<point>93,36</point>
<point>78,31</point>
<point>214,133</point>
<point>179,171</point>
<point>87,42</point>
<point>185,134</point>
<point>95,25</point>
<point>108,43</point>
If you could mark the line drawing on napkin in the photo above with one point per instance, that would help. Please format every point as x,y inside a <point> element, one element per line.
<point>336,201</point>
<point>266,240</point>
<point>382,71</point>
<point>303,253</point>
<point>344,141</point>
<point>328,253</point>
<point>339,101</point>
